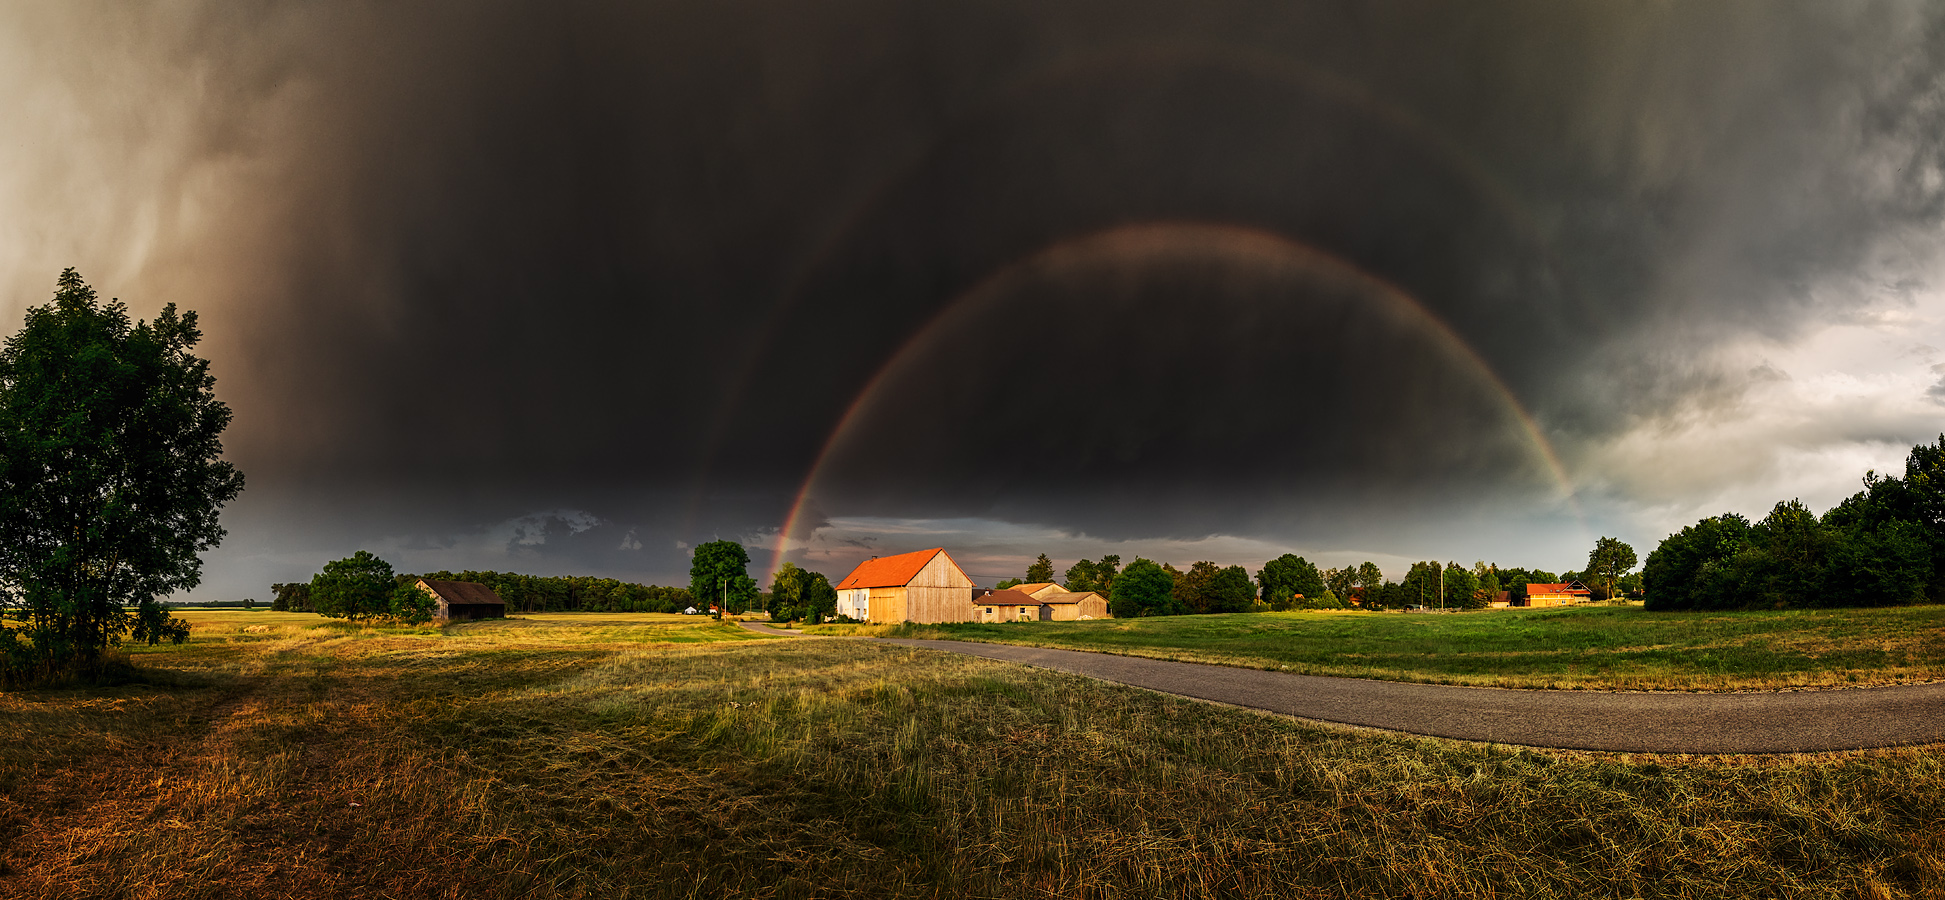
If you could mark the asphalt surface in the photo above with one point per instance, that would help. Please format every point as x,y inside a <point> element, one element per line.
<point>1771,722</point>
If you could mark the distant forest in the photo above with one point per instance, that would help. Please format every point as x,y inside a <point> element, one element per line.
<point>1882,546</point>
<point>534,593</point>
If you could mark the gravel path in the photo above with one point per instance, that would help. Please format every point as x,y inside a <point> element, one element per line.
<point>1780,722</point>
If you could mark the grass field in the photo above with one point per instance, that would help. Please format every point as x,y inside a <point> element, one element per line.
<point>610,756</point>
<point>1607,648</point>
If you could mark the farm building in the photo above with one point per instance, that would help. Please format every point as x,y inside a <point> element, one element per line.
<point>1037,589</point>
<point>1010,605</point>
<point>1073,606</point>
<point>923,586</point>
<point>464,600</point>
<point>1556,594</point>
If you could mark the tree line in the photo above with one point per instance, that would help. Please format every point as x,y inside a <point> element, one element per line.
<point>363,586</point>
<point>1882,546</point>
<point>1149,588</point>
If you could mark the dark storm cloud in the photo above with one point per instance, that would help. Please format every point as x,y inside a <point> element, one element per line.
<point>637,260</point>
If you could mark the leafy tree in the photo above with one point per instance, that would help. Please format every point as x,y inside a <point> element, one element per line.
<point>1342,582</point>
<point>111,480</point>
<point>1230,591</point>
<point>1144,589</point>
<point>1088,575</point>
<point>1369,581</point>
<point>1192,587</point>
<point>817,599</point>
<point>362,587</point>
<point>1462,588</point>
<point>1041,571</point>
<point>1009,583</point>
<point>1487,577</point>
<point>1288,576</point>
<point>1681,572</point>
<point>1422,583</point>
<point>291,597</point>
<point>1611,558</point>
<point>719,574</point>
<point>786,587</point>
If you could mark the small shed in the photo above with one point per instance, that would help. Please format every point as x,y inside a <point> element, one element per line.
<point>458,600</point>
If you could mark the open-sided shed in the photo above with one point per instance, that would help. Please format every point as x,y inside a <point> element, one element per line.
<point>464,600</point>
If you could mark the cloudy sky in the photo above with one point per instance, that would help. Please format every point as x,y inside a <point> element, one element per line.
<point>570,288</point>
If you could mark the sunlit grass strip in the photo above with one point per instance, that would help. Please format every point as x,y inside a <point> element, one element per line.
<point>1610,648</point>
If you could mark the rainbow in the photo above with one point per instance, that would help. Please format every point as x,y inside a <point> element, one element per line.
<point>1237,244</point>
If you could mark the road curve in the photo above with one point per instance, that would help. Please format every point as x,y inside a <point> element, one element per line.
<point>1787,722</point>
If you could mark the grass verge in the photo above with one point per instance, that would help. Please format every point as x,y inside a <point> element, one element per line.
<point>1598,648</point>
<point>508,759</point>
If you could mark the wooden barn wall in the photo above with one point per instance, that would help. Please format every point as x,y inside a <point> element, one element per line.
<point>940,592</point>
<point>887,605</point>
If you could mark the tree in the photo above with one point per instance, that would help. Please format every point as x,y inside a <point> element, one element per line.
<point>1286,577</point>
<point>1680,573</point>
<point>1342,582</point>
<point>362,587</point>
<point>1610,559</point>
<point>1462,588</point>
<point>817,598</point>
<point>719,574</point>
<point>292,596</point>
<point>1088,575</point>
<point>1369,581</point>
<point>1230,591</point>
<point>1041,571</point>
<point>786,587</point>
<point>111,479</point>
<point>1143,589</point>
<point>1192,588</point>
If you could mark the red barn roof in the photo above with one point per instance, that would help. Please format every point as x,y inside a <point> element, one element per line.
<point>890,571</point>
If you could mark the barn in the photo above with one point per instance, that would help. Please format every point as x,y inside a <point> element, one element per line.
<point>1073,606</point>
<point>464,600</point>
<point>922,586</point>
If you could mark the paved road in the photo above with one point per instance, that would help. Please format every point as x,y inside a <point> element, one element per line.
<point>1789,722</point>
<point>1785,722</point>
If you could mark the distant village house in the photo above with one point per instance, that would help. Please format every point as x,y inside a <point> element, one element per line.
<point>1556,594</point>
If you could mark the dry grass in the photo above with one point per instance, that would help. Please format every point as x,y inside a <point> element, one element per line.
<point>553,760</point>
<point>1585,648</point>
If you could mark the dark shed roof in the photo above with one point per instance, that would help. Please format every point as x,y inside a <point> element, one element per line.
<point>463,593</point>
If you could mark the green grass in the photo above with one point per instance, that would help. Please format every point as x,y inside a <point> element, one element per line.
<point>1609,648</point>
<point>562,759</point>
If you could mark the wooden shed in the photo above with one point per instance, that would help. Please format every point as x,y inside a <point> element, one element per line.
<point>924,586</point>
<point>1073,606</point>
<point>464,600</point>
